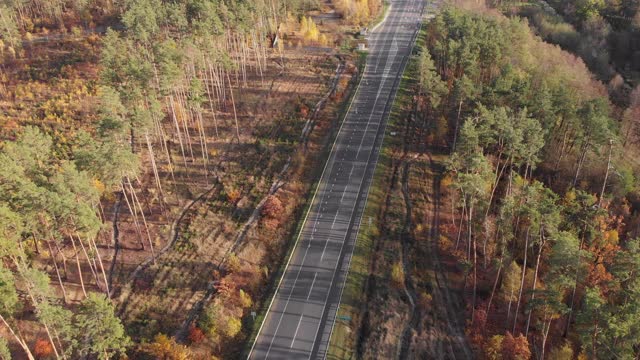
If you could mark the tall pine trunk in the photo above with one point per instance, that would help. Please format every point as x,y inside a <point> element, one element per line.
<point>75,249</point>
<point>144,219</point>
<point>104,274</point>
<point>134,214</point>
<point>175,122</point>
<point>575,286</point>
<point>524,271</point>
<point>91,266</point>
<point>495,284</point>
<point>55,265</point>
<point>235,114</point>
<point>18,338</point>
<point>535,279</point>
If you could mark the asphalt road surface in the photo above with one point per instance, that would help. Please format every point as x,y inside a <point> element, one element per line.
<point>300,319</point>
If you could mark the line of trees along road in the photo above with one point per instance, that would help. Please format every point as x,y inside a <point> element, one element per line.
<point>545,218</point>
<point>170,62</point>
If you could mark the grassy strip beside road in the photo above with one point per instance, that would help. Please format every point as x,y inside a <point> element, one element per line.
<point>345,333</point>
<point>324,156</point>
<point>383,14</point>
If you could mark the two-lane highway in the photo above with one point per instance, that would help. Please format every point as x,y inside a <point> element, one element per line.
<point>300,319</point>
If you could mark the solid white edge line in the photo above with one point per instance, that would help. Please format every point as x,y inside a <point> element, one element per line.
<point>367,196</point>
<point>354,213</point>
<point>295,245</point>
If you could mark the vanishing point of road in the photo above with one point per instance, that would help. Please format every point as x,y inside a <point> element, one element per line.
<point>300,319</point>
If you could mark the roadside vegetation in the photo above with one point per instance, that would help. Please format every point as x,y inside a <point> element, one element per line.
<point>155,159</point>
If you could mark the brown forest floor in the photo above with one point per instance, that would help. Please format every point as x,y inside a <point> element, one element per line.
<point>194,219</point>
<point>163,293</point>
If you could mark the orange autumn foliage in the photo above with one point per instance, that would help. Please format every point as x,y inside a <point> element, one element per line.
<point>599,276</point>
<point>43,348</point>
<point>196,335</point>
<point>515,348</point>
<point>272,207</point>
<point>604,251</point>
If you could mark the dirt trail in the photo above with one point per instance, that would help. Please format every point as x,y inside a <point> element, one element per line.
<point>409,287</point>
<point>440,331</point>
<point>451,343</point>
<point>371,288</point>
<point>176,227</point>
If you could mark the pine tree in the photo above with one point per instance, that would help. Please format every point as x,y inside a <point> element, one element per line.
<point>101,332</point>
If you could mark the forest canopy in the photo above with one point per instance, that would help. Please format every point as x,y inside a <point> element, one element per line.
<point>544,223</point>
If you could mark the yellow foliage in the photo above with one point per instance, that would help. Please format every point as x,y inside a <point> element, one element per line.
<point>362,12</point>
<point>358,12</point>
<point>99,186</point>
<point>309,30</point>
<point>166,348</point>
<point>564,352</point>
<point>324,41</point>
<point>445,242</point>
<point>234,325</point>
<point>612,237</point>
<point>281,46</point>
<point>245,299</point>
<point>425,300</point>
<point>233,194</point>
<point>76,31</point>
<point>233,263</point>
<point>397,275</point>
<point>511,282</point>
<point>570,196</point>
<point>446,182</point>
<point>289,25</point>
<point>493,348</point>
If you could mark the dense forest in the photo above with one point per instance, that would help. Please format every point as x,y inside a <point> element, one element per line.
<point>120,117</point>
<point>545,213</point>
<point>603,33</point>
<point>613,25</point>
